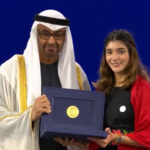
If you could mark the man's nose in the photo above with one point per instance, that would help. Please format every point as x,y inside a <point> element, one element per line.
<point>51,40</point>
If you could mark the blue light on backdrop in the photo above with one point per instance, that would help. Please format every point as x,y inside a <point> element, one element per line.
<point>91,20</point>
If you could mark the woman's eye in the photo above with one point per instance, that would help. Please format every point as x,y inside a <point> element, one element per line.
<point>108,52</point>
<point>121,51</point>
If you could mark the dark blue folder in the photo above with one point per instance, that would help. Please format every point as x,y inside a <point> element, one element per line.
<point>75,114</point>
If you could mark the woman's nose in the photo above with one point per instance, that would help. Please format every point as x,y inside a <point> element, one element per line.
<point>115,56</point>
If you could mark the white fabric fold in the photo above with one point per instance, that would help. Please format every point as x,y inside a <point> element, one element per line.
<point>66,62</point>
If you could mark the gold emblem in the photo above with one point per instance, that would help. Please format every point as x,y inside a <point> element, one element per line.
<point>72,111</point>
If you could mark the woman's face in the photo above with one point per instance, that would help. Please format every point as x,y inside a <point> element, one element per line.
<point>117,56</point>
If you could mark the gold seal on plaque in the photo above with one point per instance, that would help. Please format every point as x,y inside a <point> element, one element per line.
<point>72,112</point>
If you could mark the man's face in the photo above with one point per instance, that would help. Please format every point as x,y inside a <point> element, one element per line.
<point>50,43</point>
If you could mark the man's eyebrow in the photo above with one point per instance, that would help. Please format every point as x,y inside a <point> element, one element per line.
<point>60,31</point>
<point>56,31</point>
<point>45,30</point>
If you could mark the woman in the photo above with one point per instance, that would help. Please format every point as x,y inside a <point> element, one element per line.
<point>127,88</point>
<point>126,84</point>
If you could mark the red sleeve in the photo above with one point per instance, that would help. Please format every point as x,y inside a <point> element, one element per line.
<point>140,99</point>
<point>93,146</point>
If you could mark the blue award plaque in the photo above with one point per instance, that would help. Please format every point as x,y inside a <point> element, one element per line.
<point>75,114</point>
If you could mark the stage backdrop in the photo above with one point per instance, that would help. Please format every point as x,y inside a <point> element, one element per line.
<point>91,20</point>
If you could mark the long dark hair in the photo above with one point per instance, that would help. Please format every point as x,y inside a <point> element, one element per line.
<point>134,67</point>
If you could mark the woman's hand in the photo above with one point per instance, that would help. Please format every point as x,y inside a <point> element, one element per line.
<point>104,142</point>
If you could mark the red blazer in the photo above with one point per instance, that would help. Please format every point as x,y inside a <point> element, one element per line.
<point>140,100</point>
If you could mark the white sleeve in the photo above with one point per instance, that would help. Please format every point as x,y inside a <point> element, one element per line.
<point>15,126</point>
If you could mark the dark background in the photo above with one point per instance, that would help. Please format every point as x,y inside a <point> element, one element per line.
<point>91,20</point>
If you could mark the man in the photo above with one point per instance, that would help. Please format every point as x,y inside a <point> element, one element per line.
<point>49,61</point>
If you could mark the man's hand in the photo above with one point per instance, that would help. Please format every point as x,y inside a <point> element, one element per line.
<point>71,142</point>
<point>41,105</point>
